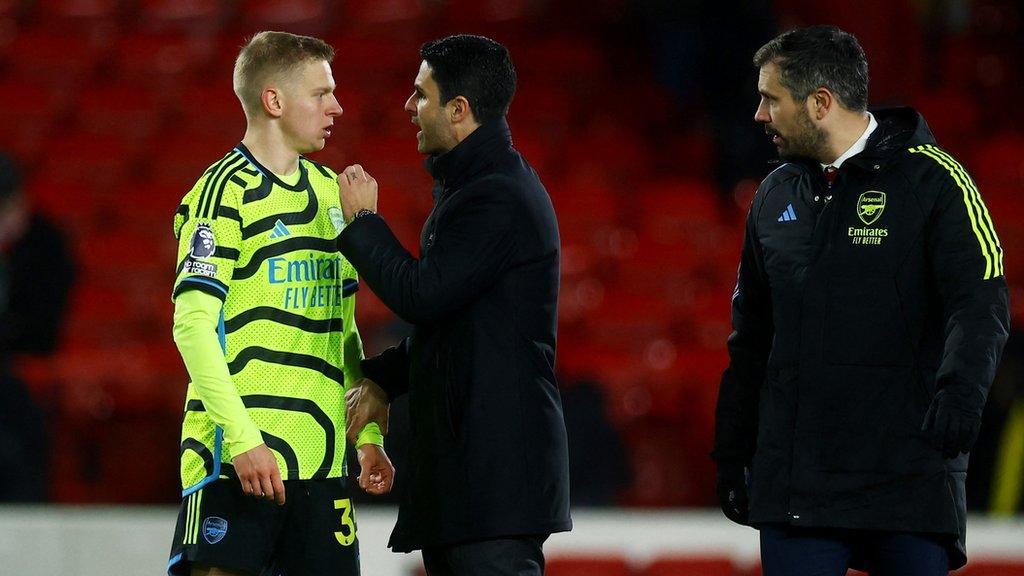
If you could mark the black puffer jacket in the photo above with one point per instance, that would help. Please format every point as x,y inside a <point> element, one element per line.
<point>489,454</point>
<point>848,317</point>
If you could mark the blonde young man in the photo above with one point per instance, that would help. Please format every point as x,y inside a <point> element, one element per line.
<point>264,320</point>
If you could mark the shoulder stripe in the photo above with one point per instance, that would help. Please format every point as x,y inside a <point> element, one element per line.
<point>986,219</point>
<point>229,175</point>
<point>181,211</point>
<point>216,183</point>
<point>281,317</point>
<point>220,182</point>
<point>981,222</point>
<point>210,175</point>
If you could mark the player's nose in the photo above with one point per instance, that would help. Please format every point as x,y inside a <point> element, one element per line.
<point>335,108</point>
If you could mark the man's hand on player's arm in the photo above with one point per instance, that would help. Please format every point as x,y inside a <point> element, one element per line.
<point>377,474</point>
<point>365,402</point>
<point>259,474</point>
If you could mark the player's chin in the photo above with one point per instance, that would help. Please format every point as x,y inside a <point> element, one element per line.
<point>314,146</point>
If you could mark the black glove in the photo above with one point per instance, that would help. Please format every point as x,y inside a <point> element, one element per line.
<point>952,422</point>
<point>732,492</point>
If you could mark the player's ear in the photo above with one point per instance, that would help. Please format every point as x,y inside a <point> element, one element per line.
<point>271,100</point>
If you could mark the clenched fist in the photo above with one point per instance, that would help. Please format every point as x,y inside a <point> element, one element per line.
<point>358,191</point>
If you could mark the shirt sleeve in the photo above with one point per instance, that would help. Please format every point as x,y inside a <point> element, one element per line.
<point>967,262</point>
<point>352,354</point>
<point>736,413</point>
<point>196,317</point>
<point>208,229</point>
<point>477,245</point>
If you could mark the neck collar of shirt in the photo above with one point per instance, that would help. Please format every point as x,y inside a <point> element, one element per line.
<point>857,146</point>
<point>301,183</point>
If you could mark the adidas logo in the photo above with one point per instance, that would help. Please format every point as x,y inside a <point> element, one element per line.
<point>280,230</point>
<point>788,215</point>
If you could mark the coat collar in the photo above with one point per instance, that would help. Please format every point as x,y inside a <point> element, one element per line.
<point>471,155</point>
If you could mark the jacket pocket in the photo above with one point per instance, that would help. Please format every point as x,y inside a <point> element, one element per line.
<point>864,325</point>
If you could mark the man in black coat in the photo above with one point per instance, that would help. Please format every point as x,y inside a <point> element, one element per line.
<point>488,470</point>
<point>869,316</point>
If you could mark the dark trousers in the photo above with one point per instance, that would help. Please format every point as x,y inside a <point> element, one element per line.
<point>519,556</point>
<point>792,551</point>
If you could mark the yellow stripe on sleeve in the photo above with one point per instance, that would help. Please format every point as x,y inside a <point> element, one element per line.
<point>989,245</point>
<point>986,220</point>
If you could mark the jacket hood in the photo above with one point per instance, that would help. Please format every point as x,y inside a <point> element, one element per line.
<point>899,128</point>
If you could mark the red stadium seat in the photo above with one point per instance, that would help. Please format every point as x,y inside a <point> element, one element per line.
<point>56,198</point>
<point>297,16</point>
<point>381,18</point>
<point>78,14</point>
<point>163,60</point>
<point>210,110</point>
<point>124,110</point>
<point>992,568</point>
<point>101,162</point>
<point>998,162</point>
<point>587,566</point>
<point>193,16</point>
<point>180,157</point>
<point>28,112</point>
<point>56,59</point>
<point>690,566</point>
<point>669,467</point>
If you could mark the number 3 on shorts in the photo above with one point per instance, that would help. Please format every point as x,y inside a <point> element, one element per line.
<point>347,535</point>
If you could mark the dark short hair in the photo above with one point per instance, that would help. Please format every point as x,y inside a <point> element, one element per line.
<point>476,68</point>
<point>809,58</point>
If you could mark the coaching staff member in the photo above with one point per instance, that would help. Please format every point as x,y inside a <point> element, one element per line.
<point>488,478</point>
<point>869,316</point>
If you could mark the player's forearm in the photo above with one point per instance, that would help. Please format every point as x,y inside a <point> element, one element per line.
<point>196,316</point>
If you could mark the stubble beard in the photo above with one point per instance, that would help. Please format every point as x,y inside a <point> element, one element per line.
<point>809,141</point>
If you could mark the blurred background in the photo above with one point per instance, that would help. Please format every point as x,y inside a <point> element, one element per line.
<point>638,115</point>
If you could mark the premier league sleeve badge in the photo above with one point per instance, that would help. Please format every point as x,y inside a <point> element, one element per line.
<point>203,242</point>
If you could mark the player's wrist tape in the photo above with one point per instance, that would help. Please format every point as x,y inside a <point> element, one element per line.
<point>362,212</point>
<point>370,434</point>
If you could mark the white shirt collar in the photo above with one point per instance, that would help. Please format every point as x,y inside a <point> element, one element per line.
<point>858,146</point>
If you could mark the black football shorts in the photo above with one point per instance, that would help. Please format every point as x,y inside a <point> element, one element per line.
<point>313,533</point>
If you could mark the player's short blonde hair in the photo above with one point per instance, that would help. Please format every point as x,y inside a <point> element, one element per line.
<point>268,56</point>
